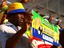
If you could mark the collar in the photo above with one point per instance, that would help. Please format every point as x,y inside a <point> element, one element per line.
<point>11,25</point>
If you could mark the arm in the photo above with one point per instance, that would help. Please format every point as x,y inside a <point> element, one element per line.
<point>15,38</point>
<point>12,41</point>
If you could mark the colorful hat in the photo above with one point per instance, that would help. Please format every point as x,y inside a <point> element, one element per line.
<point>15,8</point>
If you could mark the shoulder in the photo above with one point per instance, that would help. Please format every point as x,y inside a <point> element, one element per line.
<point>4,28</point>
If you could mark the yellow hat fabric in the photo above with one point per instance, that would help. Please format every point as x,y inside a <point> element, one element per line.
<point>15,7</point>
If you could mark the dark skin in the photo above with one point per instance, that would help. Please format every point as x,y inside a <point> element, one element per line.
<point>20,19</point>
<point>51,18</point>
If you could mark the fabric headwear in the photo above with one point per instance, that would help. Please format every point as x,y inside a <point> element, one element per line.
<point>15,8</point>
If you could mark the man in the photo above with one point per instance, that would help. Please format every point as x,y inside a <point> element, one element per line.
<point>10,35</point>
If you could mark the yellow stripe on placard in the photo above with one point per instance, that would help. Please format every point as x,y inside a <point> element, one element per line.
<point>47,31</point>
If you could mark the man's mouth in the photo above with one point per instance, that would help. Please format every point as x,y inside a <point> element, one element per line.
<point>21,20</point>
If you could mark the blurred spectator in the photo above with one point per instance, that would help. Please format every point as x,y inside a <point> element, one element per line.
<point>3,13</point>
<point>4,20</point>
<point>51,17</point>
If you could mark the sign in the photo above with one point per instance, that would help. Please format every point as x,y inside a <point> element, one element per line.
<point>44,29</point>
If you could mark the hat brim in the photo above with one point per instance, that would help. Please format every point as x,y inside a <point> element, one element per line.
<point>16,11</point>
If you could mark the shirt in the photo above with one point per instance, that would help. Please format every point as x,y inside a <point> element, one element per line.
<point>7,30</point>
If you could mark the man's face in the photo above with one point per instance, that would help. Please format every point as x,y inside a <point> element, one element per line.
<point>17,19</point>
<point>20,19</point>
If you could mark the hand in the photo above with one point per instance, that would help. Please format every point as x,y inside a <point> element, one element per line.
<point>27,21</point>
<point>60,46</point>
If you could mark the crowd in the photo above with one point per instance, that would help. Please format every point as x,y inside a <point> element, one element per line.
<point>16,22</point>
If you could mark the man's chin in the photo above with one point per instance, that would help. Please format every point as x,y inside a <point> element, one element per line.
<point>20,24</point>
